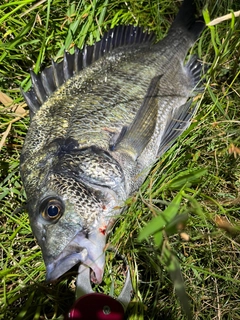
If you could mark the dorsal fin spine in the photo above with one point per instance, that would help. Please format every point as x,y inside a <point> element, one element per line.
<point>46,81</point>
<point>44,84</point>
<point>38,87</point>
<point>31,100</point>
<point>77,60</point>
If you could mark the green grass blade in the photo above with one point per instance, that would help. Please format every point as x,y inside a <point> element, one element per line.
<point>163,218</point>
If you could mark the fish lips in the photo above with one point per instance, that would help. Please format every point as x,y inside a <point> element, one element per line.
<point>79,250</point>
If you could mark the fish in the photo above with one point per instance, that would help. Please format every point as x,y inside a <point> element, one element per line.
<point>99,120</point>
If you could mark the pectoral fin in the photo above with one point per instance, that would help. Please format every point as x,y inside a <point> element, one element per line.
<point>178,122</point>
<point>134,139</point>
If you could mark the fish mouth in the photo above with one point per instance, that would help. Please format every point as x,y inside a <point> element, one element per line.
<point>89,251</point>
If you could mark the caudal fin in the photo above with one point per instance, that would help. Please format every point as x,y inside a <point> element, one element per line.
<point>186,19</point>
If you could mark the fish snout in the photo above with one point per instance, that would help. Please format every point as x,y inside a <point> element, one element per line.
<point>85,249</point>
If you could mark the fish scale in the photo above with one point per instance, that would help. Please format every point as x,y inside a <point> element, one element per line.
<point>77,195</point>
<point>99,120</point>
<point>90,164</point>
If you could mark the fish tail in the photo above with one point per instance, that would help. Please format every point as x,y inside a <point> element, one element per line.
<point>187,21</point>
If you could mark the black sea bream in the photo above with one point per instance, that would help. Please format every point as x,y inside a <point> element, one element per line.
<point>99,121</point>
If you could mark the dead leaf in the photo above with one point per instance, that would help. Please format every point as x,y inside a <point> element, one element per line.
<point>234,150</point>
<point>18,109</point>
<point>223,223</point>
<point>184,236</point>
<point>5,99</point>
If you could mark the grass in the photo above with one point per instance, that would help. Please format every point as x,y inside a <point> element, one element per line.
<point>194,186</point>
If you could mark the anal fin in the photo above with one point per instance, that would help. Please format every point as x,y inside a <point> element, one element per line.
<point>134,138</point>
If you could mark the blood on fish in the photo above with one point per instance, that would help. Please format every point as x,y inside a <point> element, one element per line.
<point>103,230</point>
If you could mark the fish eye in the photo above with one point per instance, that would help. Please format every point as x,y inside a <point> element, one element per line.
<point>52,209</point>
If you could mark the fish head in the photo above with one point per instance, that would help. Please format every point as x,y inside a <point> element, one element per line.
<point>72,216</point>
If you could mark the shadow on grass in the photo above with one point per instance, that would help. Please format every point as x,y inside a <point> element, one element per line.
<point>53,301</point>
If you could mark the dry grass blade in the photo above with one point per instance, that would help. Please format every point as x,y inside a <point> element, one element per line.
<point>33,7</point>
<point>5,134</point>
<point>223,18</point>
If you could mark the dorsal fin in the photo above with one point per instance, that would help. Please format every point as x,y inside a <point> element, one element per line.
<point>51,78</point>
